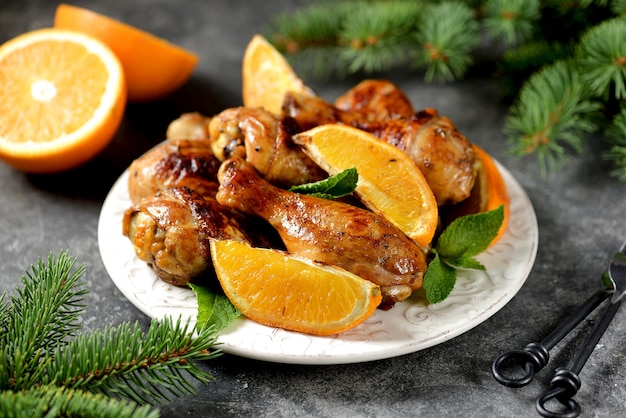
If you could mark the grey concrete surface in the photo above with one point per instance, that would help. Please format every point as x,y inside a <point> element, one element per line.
<point>580,211</point>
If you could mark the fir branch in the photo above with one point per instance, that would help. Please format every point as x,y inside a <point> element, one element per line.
<point>448,33</point>
<point>126,362</point>
<point>618,7</point>
<point>537,35</point>
<point>601,55</point>
<point>312,27</point>
<point>378,36</point>
<point>513,21</point>
<point>552,111</point>
<point>50,401</point>
<point>615,135</point>
<point>43,314</point>
<point>309,37</point>
<point>48,369</point>
<point>531,56</point>
<point>519,63</point>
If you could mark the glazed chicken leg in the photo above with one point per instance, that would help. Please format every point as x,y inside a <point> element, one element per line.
<point>170,231</point>
<point>174,163</point>
<point>328,231</point>
<point>264,140</point>
<point>376,100</point>
<point>443,154</point>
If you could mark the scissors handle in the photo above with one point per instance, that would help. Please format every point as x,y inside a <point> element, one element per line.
<point>566,382</point>
<point>534,356</point>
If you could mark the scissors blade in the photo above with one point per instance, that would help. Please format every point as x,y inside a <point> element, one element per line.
<point>617,274</point>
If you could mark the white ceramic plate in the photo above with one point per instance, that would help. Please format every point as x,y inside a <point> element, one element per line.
<point>408,327</point>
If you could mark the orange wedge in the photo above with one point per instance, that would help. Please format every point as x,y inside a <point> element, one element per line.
<point>489,192</point>
<point>390,183</point>
<point>267,76</point>
<point>154,68</point>
<point>279,290</point>
<point>495,189</point>
<point>61,102</point>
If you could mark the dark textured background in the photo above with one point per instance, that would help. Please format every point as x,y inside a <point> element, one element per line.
<point>580,211</point>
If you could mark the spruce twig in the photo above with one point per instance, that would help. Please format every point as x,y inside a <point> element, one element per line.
<point>616,137</point>
<point>49,367</point>
<point>513,21</point>
<point>553,111</point>
<point>532,35</point>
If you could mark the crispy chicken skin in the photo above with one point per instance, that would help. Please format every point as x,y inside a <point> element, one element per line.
<point>173,163</point>
<point>328,231</point>
<point>192,125</point>
<point>376,100</point>
<point>445,157</point>
<point>443,154</point>
<point>264,140</point>
<point>170,231</point>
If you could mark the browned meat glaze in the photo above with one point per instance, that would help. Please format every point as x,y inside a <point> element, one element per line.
<point>328,231</point>
<point>443,154</point>
<point>264,140</point>
<point>376,100</point>
<point>170,231</point>
<point>173,163</point>
<point>189,126</point>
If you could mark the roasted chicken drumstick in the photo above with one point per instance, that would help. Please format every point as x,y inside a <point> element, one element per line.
<point>443,154</point>
<point>264,140</point>
<point>170,231</point>
<point>328,231</point>
<point>174,163</point>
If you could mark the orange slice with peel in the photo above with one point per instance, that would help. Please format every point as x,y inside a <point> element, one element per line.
<point>496,193</point>
<point>61,102</point>
<point>267,76</point>
<point>489,192</point>
<point>390,183</point>
<point>280,290</point>
<point>154,68</point>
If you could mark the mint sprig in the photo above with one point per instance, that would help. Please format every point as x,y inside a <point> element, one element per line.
<point>214,309</point>
<point>333,187</point>
<point>456,248</point>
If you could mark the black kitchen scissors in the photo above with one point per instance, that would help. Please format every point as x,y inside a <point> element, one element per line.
<point>534,356</point>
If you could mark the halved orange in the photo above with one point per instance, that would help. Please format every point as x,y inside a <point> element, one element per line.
<point>267,76</point>
<point>280,290</point>
<point>390,183</point>
<point>154,68</point>
<point>61,102</point>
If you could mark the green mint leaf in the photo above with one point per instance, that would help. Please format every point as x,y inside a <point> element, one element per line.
<point>468,236</point>
<point>438,280</point>
<point>466,262</point>
<point>213,308</point>
<point>333,187</point>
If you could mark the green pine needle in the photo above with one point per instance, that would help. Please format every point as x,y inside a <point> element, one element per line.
<point>618,7</point>
<point>51,401</point>
<point>377,36</point>
<point>49,367</point>
<point>553,112</point>
<point>513,21</point>
<point>448,32</point>
<point>601,55</point>
<point>615,135</point>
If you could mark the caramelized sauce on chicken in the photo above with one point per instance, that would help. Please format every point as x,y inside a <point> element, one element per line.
<point>443,154</point>
<point>328,231</point>
<point>264,140</point>
<point>225,177</point>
